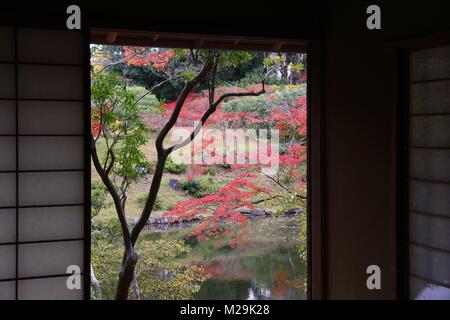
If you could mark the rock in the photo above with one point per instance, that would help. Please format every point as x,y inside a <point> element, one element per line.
<point>174,184</point>
<point>244,211</point>
<point>258,212</point>
<point>294,211</point>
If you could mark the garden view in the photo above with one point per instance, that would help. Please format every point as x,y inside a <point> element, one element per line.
<point>198,174</point>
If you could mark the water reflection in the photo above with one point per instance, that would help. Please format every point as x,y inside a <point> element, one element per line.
<point>266,267</point>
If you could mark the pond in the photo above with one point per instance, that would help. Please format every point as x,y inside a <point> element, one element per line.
<point>267,266</point>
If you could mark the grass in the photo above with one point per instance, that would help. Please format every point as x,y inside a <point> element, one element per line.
<point>149,103</point>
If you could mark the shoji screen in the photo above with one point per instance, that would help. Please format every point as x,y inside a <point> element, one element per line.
<point>42,163</point>
<point>429,171</point>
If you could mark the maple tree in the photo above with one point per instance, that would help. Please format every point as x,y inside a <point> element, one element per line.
<point>221,218</point>
<point>115,119</point>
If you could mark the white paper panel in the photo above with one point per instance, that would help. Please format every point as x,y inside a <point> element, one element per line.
<point>7,44</point>
<point>48,289</point>
<point>7,262</point>
<point>430,64</point>
<point>49,46</point>
<point>430,97</point>
<point>7,117</point>
<point>430,197</point>
<point>422,290</point>
<point>47,188</point>
<point>432,164</point>
<point>7,153</point>
<point>7,189</point>
<point>38,224</point>
<point>50,82</point>
<point>55,117</point>
<point>7,290</point>
<point>430,131</point>
<point>7,81</point>
<point>430,230</point>
<point>430,264</point>
<point>7,225</point>
<point>44,259</point>
<point>50,153</point>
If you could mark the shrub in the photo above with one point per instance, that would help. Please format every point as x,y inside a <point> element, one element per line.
<point>159,276</point>
<point>142,198</point>
<point>225,166</point>
<point>148,103</point>
<point>210,171</point>
<point>202,186</point>
<point>193,188</point>
<point>176,168</point>
<point>99,197</point>
<point>107,230</point>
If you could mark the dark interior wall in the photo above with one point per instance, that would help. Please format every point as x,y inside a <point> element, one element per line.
<point>359,161</point>
<point>358,104</point>
<point>360,139</point>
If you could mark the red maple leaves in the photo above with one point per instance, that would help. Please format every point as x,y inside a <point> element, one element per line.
<point>141,56</point>
<point>220,217</point>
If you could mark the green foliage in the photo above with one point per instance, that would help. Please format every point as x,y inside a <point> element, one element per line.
<point>99,199</point>
<point>107,230</point>
<point>269,62</point>
<point>117,111</point>
<point>255,75</point>
<point>210,171</point>
<point>159,275</point>
<point>142,198</point>
<point>106,258</point>
<point>225,166</point>
<point>282,97</point>
<point>149,103</point>
<point>188,75</point>
<point>202,186</point>
<point>259,105</point>
<point>233,66</point>
<point>297,67</point>
<point>193,188</point>
<point>233,58</point>
<point>176,168</point>
<point>287,94</point>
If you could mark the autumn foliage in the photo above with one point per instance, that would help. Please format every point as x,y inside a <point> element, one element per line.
<point>222,219</point>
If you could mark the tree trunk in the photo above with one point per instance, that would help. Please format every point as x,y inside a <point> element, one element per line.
<point>126,276</point>
<point>96,284</point>
<point>135,286</point>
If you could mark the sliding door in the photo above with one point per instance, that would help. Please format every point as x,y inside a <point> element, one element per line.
<point>429,174</point>
<point>43,201</point>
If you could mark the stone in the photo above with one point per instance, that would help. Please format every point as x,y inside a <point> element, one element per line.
<point>174,184</point>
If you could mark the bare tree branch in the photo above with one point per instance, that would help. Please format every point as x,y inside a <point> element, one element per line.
<point>162,154</point>
<point>116,199</point>
<point>211,109</point>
